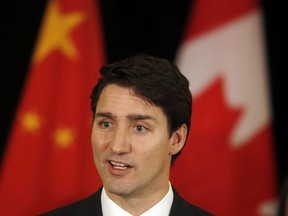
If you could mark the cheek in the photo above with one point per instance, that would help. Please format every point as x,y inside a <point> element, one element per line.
<point>99,143</point>
<point>154,149</point>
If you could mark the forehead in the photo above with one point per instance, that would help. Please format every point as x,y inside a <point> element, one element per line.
<point>122,100</point>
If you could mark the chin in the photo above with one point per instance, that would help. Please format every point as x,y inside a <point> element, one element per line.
<point>118,189</point>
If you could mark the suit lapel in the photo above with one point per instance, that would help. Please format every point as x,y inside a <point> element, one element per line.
<point>90,206</point>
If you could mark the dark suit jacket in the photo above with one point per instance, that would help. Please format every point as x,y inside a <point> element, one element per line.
<point>91,206</point>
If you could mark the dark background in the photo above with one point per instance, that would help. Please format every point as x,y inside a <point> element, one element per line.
<point>155,27</point>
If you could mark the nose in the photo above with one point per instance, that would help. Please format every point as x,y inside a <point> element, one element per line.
<point>120,141</point>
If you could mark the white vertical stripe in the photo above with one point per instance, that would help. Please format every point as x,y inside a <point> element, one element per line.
<point>236,53</point>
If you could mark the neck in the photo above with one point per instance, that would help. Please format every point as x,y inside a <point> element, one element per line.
<point>139,203</point>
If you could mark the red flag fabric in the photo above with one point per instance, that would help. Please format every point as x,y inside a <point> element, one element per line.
<point>228,163</point>
<point>49,162</point>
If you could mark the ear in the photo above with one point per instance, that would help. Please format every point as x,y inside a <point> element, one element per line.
<point>178,139</point>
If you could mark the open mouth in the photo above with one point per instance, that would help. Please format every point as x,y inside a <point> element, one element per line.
<point>119,165</point>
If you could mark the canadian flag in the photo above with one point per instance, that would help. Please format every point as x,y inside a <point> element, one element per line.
<point>227,165</point>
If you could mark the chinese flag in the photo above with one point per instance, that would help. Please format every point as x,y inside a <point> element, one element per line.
<point>49,162</point>
<point>227,165</point>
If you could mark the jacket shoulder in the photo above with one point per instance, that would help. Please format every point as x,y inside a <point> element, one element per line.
<point>90,205</point>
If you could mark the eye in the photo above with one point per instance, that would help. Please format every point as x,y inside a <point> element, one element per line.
<point>105,125</point>
<point>140,129</point>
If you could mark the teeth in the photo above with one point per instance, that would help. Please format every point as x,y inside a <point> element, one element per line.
<point>119,165</point>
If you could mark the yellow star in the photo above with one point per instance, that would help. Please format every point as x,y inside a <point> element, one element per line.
<point>30,122</point>
<point>63,137</point>
<point>55,33</point>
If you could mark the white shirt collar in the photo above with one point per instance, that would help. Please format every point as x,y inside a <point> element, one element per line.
<point>110,208</point>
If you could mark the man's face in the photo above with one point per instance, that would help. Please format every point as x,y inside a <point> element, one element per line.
<point>131,144</point>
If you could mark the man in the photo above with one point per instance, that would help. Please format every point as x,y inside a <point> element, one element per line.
<point>141,118</point>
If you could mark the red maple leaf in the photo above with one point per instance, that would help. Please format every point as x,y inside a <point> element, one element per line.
<point>216,175</point>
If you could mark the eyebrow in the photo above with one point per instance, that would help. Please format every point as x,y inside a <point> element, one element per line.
<point>132,117</point>
<point>104,114</point>
<point>137,117</point>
